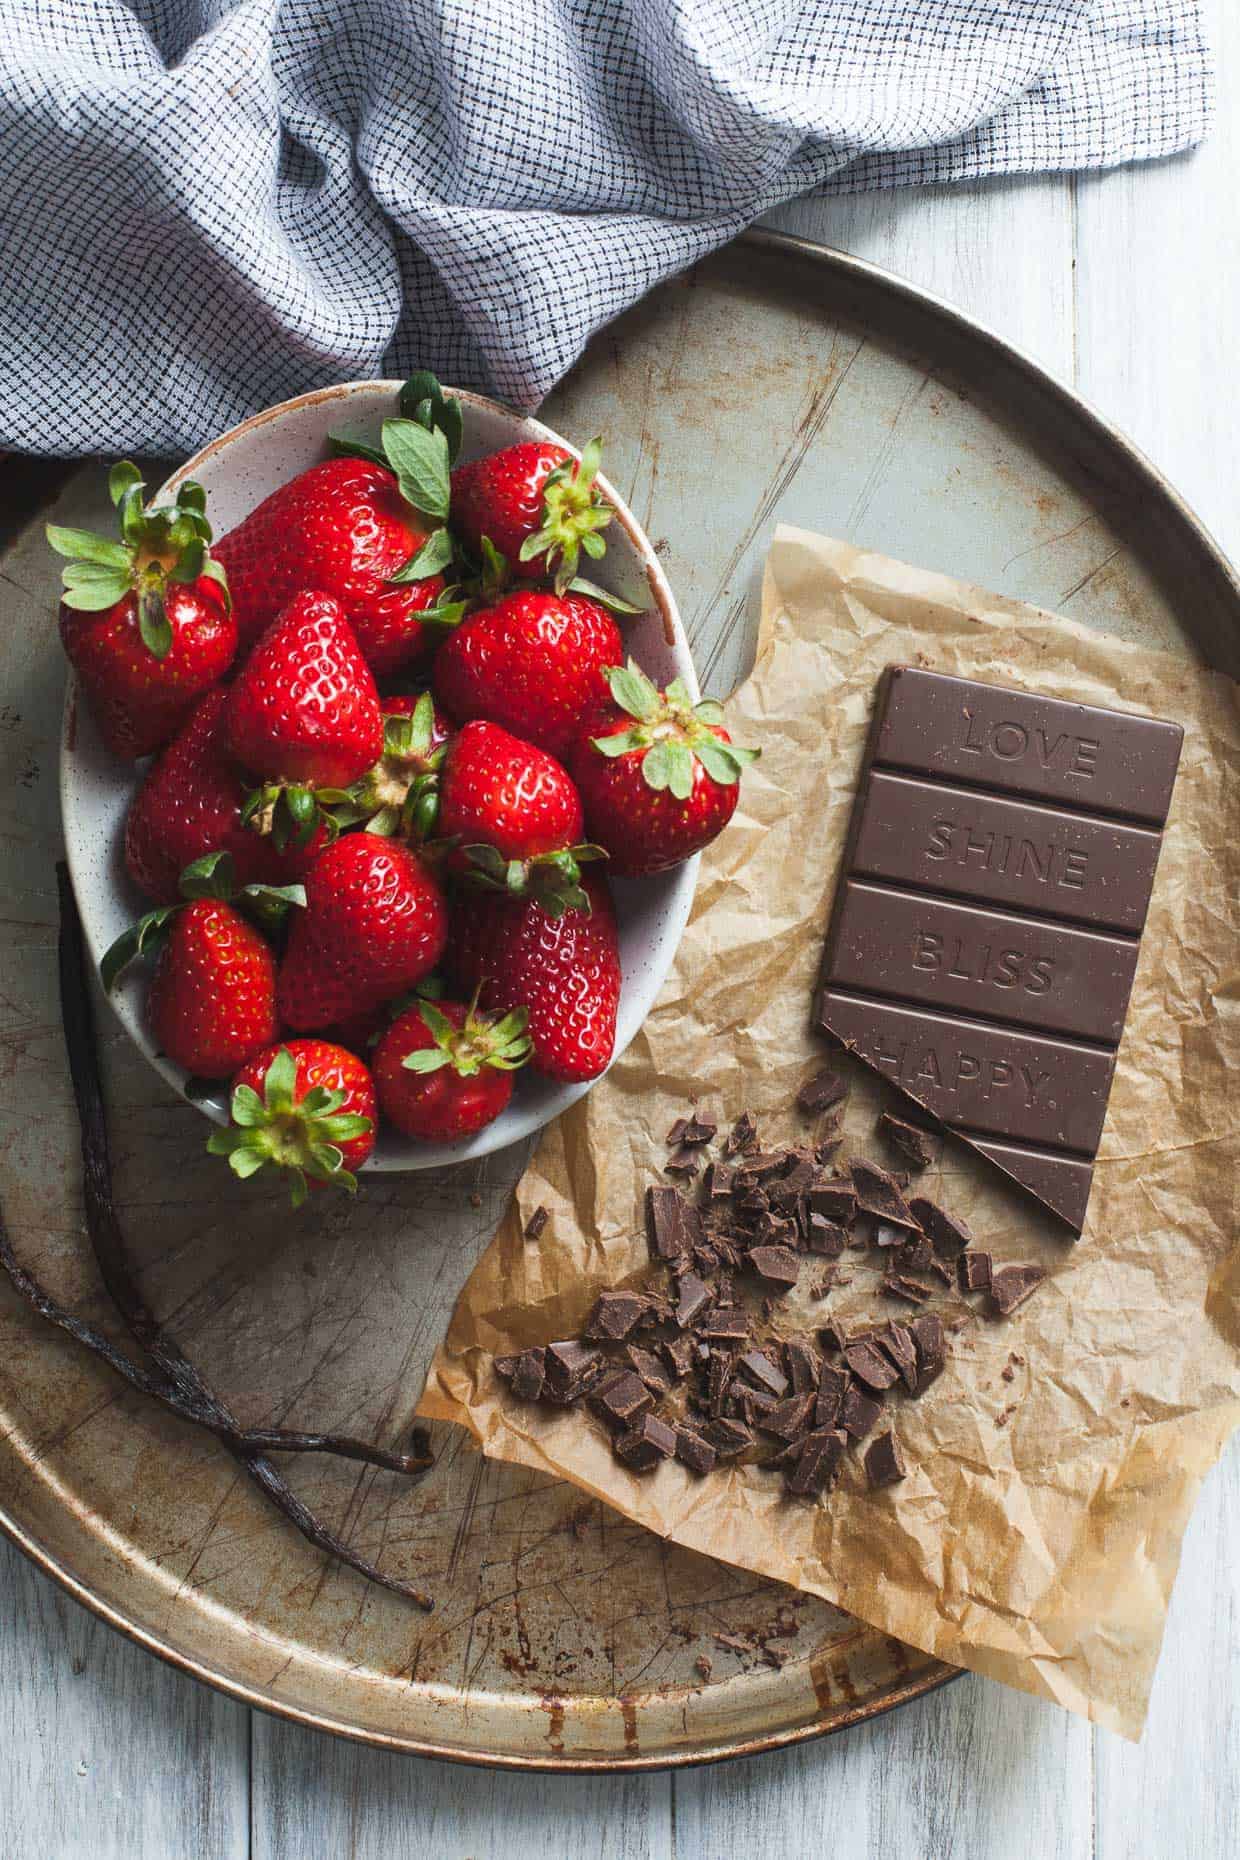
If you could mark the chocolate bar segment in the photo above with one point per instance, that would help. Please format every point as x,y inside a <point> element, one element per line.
<point>986,927</point>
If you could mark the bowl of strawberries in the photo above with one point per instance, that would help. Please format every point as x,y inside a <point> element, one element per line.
<point>382,813</point>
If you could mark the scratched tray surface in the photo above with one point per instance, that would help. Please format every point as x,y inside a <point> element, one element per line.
<point>772,382</point>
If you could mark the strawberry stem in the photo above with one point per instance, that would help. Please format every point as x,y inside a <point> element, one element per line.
<point>302,1136</point>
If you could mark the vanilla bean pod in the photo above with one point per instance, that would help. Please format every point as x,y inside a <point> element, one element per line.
<point>179,1385</point>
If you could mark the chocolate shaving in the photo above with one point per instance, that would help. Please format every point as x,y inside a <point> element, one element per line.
<point>677,1353</point>
<point>173,1381</point>
<point>536,1224</point>
<point>912,1291</point>
<point>884,1462</point>
<point>909,1141</point>
<point>742,1136</point>
<point>879,1193</point>
<point>649,1368</point>
<point>825,1089</point>
<point>1011,1285</point>
<point>947,1233</point>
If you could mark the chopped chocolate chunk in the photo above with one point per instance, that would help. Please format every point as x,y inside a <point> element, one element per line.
<point>646,1444</point>
<point>717,1182</point>
<point>898,1342</point>
<point>788,1419</point>
<point>536,1223</point>
<point>621,1398</point>
<point>684,1163</point>
<point>931,1347</point>
<point>869,1363</point>
<point>821,1092</point>
<point>885,1235</point>
<point>505,1366</point>
<point>915,1256</point>
<point>615,1314</point>
<point>678,1355</point>
<point>786,1191</point>
<point>818,1463</point>
<point>772,1230</point>
<point>825,1237</point>
<point>830,1337</point>
<point>911,1142</point>
<point>758,1368</point>
<point>878,1193</point>
<point>706,1260</point>
<point>973,1272</point>
<point>859,1412</point>
<point>529,1375</point>
<point>695,1451</point>
<point>692,1298</point>
<point>697,1131</point>
<point>672,1225</point>
<point>649,1368</point>
<point>912,1291</point>
<point>947,1233</point>
<point>753,1405</point>
<point>940,1269</point>
<point>834,1200</point>
<point>778,1265</point>
<point>832,1388</point>
<point>569,1365</point>
<point>758,1166</point>
<point>728,1438</point>
<point>804,1366</point>
<point>676,1135</point>
<point>742,1136</point>
<point>724,1322</point>
<point>718,1381</point>
<point>1011,1285</point>
<point>753,1204</point>
<point>884,1462</point>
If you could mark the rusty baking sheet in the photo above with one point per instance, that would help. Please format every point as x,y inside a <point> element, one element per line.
<point>777,380</point>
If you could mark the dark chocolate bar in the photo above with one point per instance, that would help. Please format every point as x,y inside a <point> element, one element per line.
<point>988,918</point>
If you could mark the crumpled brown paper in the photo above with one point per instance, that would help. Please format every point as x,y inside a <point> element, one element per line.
<point>1037,1534</point>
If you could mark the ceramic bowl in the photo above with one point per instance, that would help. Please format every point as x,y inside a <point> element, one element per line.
<point>238,470</point>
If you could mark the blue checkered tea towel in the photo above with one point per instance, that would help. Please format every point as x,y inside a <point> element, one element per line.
<point>209,205</point>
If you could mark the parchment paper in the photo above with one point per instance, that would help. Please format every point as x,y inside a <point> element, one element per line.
<point>1037,1534</point>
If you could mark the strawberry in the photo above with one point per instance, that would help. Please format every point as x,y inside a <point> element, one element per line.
<point>398,793</point>
<point>535,504</point>
<point>306,1106</point>
<point>444,1071</point>
<point>533,662</point>
<point>212,1001</point>
<point>375,922</point>
<point>564,970</point>
<point>213,995</point>
<point>659,775</point>
<point>190,804</point>
<point>516,815</point>
<point>303,714</point>
<point>367,529</point>
<point>146,622</point>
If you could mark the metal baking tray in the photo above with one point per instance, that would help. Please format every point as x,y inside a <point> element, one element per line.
<point>777,380</point>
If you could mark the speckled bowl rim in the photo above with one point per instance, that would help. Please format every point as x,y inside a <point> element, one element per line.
<point>638,993</point>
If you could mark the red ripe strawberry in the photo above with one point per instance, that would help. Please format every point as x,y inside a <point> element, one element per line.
<point>305,1106</point>
<point>564,970</point>
<point>213,997</point>
<point>366,529</point>
<point>659,775</point>
<point>516,815</point>
<point>146,622</point>
<point>303,714</point>
<point>190,804</point>
<point>534,503</point>
<point>375,923</point>
<point>533,662</point>
<point>444,1071</point>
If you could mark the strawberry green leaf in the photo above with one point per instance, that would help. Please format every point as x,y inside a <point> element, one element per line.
<point>153,623</point>
<point>191,496</point>
<point>621,742</point>
<point>604,596</point>
<point>723,762</point>
<point>436,1023</point>
<point>247,1107</point>
<point>447,613</point>
<point>123,478</point>
<point>420,460</point>
<point>280,1081</point>
<point>94,594</point>
<point>141,939</point>
<point>212,876</point>
<point>632,690</point>
<point>426,1059</point>
<point>707,712</point>
<point>343,446</point>
<point>593,544</point>
<point>385,823</point>
<point>431,559</point>
<point>133,517</point>
<point>214,571</point>
<point>84,546</point>
<point>669,765</point>
<point>422,399</point>
<point>190,562</point>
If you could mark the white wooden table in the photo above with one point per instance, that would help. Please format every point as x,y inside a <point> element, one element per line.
<point>1127,285</point>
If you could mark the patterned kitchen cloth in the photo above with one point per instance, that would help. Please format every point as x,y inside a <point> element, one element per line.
<point>209,205</point>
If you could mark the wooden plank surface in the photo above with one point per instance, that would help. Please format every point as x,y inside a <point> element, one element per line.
<point>1128,285</point>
